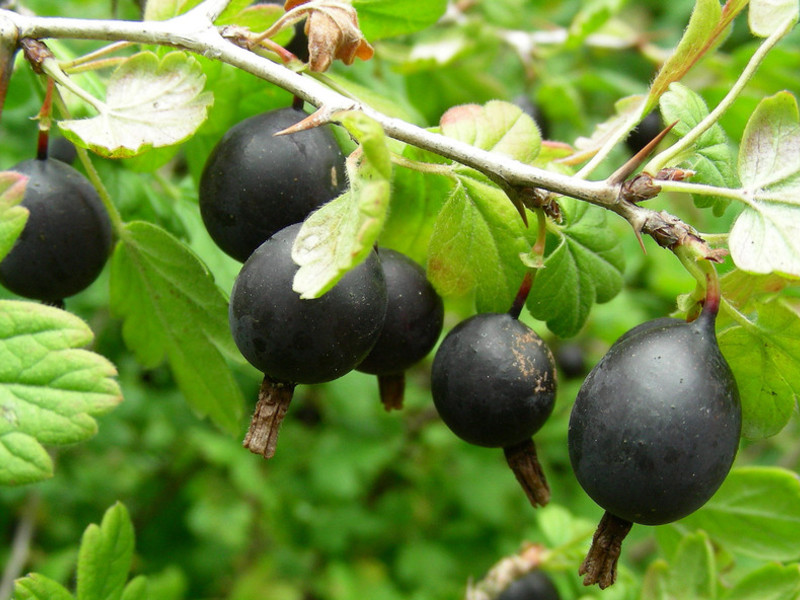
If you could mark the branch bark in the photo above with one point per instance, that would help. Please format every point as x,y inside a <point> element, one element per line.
<point>195,32</point>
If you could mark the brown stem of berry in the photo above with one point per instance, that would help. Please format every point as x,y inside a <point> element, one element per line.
<point>273,402</point>
<point>600,564</point>
<point>392,389</point>
<point>525,464</point>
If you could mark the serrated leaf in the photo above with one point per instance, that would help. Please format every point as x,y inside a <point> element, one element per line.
<point>39,587</point>
<point>105,555</point>
<point>585,267</point>
<point>756,512</point>
<point>767,16</point>
<point>496,126</point>
<point>171,307</point>
<point>711,155</point>
<point>770,582</point>
<point>765,357</point>
<point>475,244</point>
<point>341,233</point>
<point>707,27</point>
<point>12,216</point>
<point>692,571</point>
<point>50,388</point>
<point>766,236</point>
<point>150,103</point>
<point>380,19</point>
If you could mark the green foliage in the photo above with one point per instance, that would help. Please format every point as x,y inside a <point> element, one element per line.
<point>12,216</point>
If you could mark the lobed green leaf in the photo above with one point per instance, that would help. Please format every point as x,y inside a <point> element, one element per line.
<point>39,587</point>
<point>380,19</point>
<point>770,582</point>
<point>756,513</point>
<point>150,103</point>
<point>585,267</point>
<point>12,216</point>
<point>105,556</point>
<point>340,234</point>
<point>50,388</point>
<point>171,307</point>
<point>766,236</point>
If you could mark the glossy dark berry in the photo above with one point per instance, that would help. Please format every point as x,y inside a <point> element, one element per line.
<point>67,238</point>
<point>293,340</point>
<point>493,380</point>
<point>656,424</point>
<point>62,149</point>
<point>645,131</point>
<point>255,183</point>
<point>414,317</point>
<point>535,585</point>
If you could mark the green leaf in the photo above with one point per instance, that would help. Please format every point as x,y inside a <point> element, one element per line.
<point>711,155</point>
<point>766,236</point>
<point>49,387</point>
<point>476,244</point>
<point>628,112</point>
<point>765,357</point>
<point>137,589</point>
<point>161,10</point>
<point>656,578</point>
<point>341,233</point>
<point>767,16</point>
<point>591,17</point>
<point>150,103</point>
<point>585,267</point>
<point>496,126</point>
<point>39,587</point>
<point>707,27</point>
<point>105,555</point>
<point>12,216</point>
<point>756,513</point>
<point>770,582</point>
<point>171,307</point>
<point>380,19</point>
<point>692,571</point>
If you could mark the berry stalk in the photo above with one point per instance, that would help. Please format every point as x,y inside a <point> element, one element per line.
<point>273,402</point>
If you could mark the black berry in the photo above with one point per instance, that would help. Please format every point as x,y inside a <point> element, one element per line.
<point>67,238</point>
<point>535,585</point>
<point>645,131</point>
<point>255,183</point>
<point>414,318</point>
<point>493,384</point>
<point>655,427</point>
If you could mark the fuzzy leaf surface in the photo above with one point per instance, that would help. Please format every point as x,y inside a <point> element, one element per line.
<point>766,236</point>
<point>770,582</point>
<point>50,387</point>
<point>766,361</point>
<point>38,587</point>
<point>583,268</point>
<point>476,244</point>
<point>711,156</point>
<point>767,16</point>
<point>756,513</point>
<point>150,103</point>
<point>172,308</point>
<point>12,216</point>
<point>105,555</point>
<point>380,19</point>
<point>341,233</point>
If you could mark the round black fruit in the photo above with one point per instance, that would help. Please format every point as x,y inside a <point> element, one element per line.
<point>645,131</point>
<point>656,424</point>
<point>414,317</point>
<point>493,381</point>
<point>535,585</point>
<point>255,183</point>
<point>293,340</point>
<point>67,238</point>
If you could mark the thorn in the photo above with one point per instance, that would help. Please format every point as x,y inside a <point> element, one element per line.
<point>637,159</point>
<point>321,116</point>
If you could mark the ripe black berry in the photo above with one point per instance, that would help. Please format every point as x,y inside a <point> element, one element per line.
<point>535,585</point>
<point>255,183</point>
<point>292,340</point>
<point>493,384</point>
<point>645,131</point>
<point>67,238</point>
<point>414,318</point>
<point>654,429</point>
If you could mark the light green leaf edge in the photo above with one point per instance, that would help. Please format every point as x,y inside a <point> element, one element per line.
<point>50,387</point>
<point>172,307</point>
<point>168,107</point>
<point>105,555</point>
<point>12,216</point>
<point>767,16</point>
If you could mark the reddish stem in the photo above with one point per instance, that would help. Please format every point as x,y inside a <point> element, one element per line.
<point>44,122</point>
<point>522,295</point>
